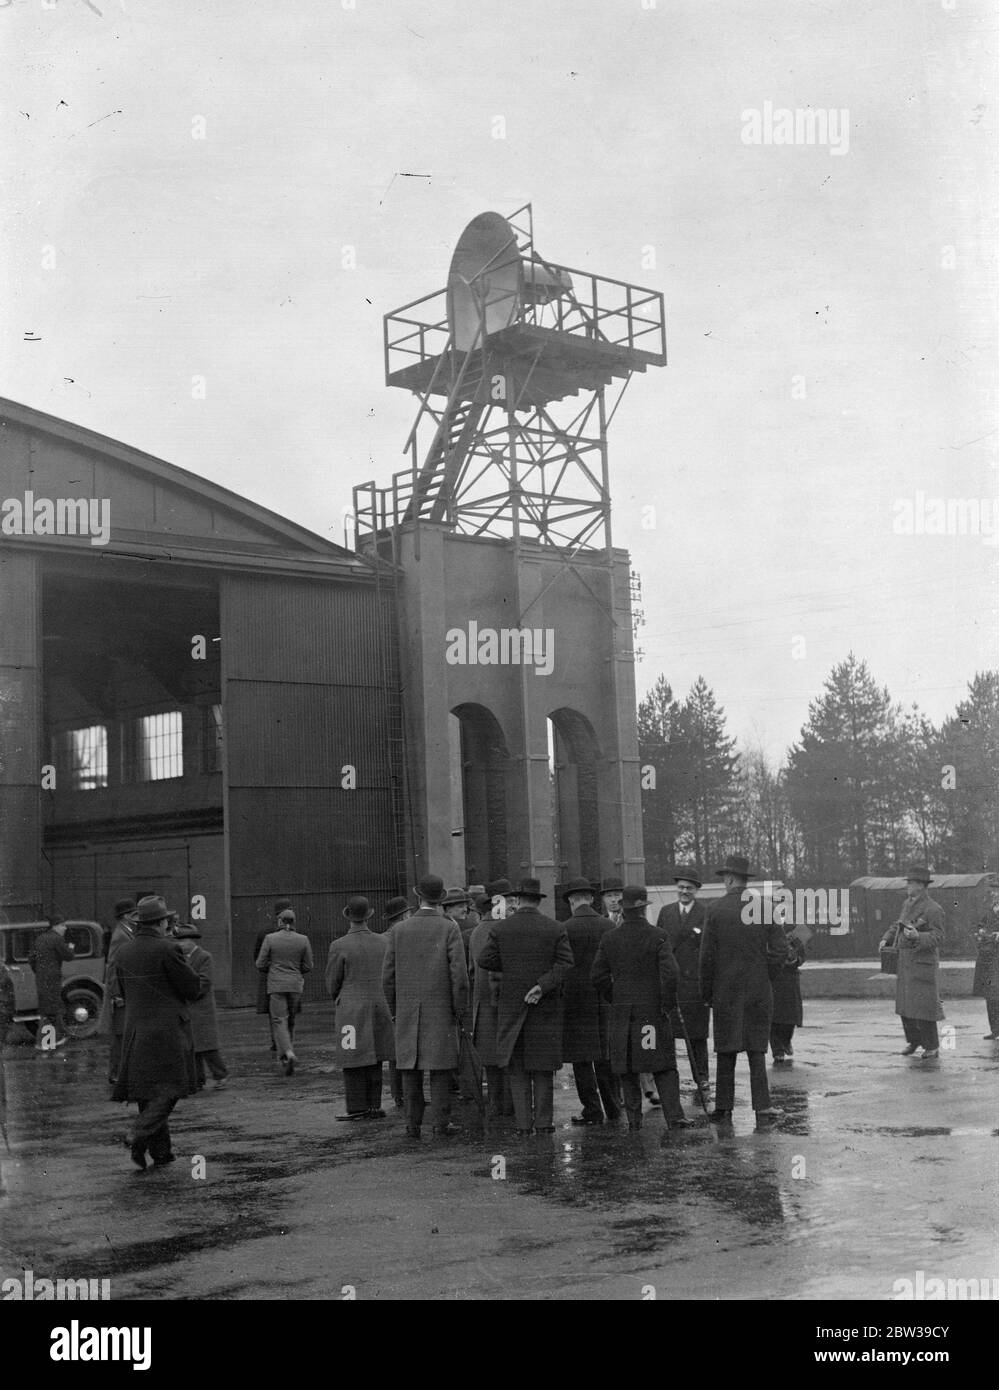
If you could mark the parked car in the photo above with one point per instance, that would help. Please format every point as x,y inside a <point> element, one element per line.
<point>83,976</point>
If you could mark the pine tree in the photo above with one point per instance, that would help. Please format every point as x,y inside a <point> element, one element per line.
<point>966,779</point>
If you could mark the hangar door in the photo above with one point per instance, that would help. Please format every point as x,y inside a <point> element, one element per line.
<point>313,758</point>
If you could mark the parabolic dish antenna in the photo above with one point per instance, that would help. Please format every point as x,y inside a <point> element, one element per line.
<point>485,278</point>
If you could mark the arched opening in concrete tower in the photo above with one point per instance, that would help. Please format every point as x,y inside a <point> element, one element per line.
<point>481,791</point>
<point>574,754</point>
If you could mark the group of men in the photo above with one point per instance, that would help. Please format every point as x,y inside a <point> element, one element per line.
<point>609,994</point>
<point>487,979</point>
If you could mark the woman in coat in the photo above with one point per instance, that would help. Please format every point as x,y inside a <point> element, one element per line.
<point>986,984</point>
<point>364,1038</point>
<point>787,999</point>
<point>46,955</point>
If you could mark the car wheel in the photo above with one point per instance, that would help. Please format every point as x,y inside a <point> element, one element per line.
<point>83,1011</point>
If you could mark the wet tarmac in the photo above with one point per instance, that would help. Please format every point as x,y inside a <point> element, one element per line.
<point>881,1166</point>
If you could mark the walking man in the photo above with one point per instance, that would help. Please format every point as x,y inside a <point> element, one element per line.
<point>263,1004</point>
<point>46,954</point>
<point>426,987</point>
<point>157,1055</point>
<point>496,907</point>
<point>737,956</point>
<point>986,982</point>
<point>112,1021</point>
<point>204,1020</point>
<point>635,971</point>
<point>584,1019</point>
<point>919,935</point>
<point>532,955</point>
<point>363,1023</point>
<point>286,955</point>
<point>683,922</point>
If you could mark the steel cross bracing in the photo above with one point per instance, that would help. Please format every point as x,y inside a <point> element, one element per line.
<point>495,450</point>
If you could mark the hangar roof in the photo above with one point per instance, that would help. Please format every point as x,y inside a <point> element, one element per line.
<point>157,510</point>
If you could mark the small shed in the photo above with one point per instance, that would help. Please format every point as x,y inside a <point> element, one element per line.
<point>876,902</point>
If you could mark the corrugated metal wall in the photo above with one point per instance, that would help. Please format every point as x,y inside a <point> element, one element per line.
<point>308,671</point>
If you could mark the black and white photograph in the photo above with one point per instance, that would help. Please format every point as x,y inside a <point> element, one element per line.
<point>499,663</point>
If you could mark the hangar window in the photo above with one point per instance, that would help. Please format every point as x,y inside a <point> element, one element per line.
<point>86,752</point>
<point>161,746</point>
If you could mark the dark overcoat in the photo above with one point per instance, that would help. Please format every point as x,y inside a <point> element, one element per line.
<point>46,954</point>
<point>685,941</point>
<point>917,987</point>
<point>204,1023</point>
<point>584,1013</point>
<point>986,981</point>
<point>354,979</point>
<point>527,949</point>
<point>112,1020</point>
<point>157,1053</point>
<point>635,970</point>
<point>786,985</point>
<point>425,980</point>
<point>736,957</point>
<point>485,998</point>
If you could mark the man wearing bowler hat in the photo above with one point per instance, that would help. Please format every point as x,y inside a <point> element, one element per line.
<point>157,1065</point>
<point>610,899</point>
<point>635,971</point>
<point>683,922</point>
<point>204,1021</point>
<point>919,935</point>
<point>532,955</point>
<point>737,955</point>
<point>425,980</point>
<point>497,905</point>
<point>584,1019</point>
<point>363,1025</point>
<point>286,955</point>
<point>263,1006</point>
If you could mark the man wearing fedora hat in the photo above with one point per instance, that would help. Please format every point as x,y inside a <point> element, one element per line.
<point>425,980</point>
<point>531,954</point>
<point>738,954</point>
<point>204,1021</point>
<point>157,1056</point>
<point>286,955</point>
<point>497,906</point>
<point>363,1025</point>
<point>683,922</point>
<point>919,935</point>
<point>584,1019</point>
<point>635,971</point>
<point>263,1005</point>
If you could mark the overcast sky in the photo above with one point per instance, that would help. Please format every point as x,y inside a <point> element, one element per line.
<point>831,317</point>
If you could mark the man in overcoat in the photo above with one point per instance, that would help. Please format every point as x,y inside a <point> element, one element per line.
<point>683,922</point>
<point>157,1055</point>
<point>425,980</point>
<point>531,953</point>
<point>204,1020</point>
<point>738,953</point>
<point>788,1010</point>
<point>584,1017</point>
<point>610,899</point>
<point>986,981</point>
<point>485,988</point>
<point>635,972</point>
<point>286,955</point>
<point>112,1019</point>
<point>395,910</point>
<point>919,935</point>
<point>46,954</point>
<point>363,1024</point>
